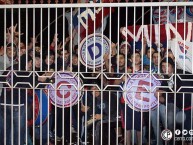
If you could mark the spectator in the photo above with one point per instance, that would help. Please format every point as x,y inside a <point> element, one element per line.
<point>14,102</point>
<point>146,58</point>
<point>9,57</point>
<point>136,67</point>
<point>63,61</point>
<point>93,100</point>
<point>166,98</point>
<point>156,59</point>
<point>49,61</point>
<point>170,54</point>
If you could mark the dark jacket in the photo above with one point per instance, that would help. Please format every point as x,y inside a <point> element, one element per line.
<point>186,89</point>
<point>101,104</point>
<point>20,81</point>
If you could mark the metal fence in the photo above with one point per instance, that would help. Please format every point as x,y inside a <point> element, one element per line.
<point>96,73</point>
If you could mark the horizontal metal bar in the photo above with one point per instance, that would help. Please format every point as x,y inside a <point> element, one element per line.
<point>79,5</point>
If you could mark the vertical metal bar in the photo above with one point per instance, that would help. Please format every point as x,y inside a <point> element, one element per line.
<point>94,72</point>
<point>56,75</point>
<point>118,50</point>
<point>19,31</point>
<point>41,115</point>
<point>48,121</point>
<point>142,54</point>
<point>34,77</point>
<point>19,114</point>
<point>71,51</point>
<point>118,71</point>
<point>191,115</point>
<point>125,119</point>
<point>5,116</point>
<point>117,123</point>
<point>184,55</point>
<point>93,129</point>
<point>159,56</point>
<point>94,41</point>
<point>4,68</point>
<point>26,120</point>
<point>132,131</point>
<point>183,102</point>
<point>109,124</point>
<point>158,119</point>
<point>70,119</point>
<point>41,35</point>
<point>5,36</point>
<point>125,91</point>
<point>159,71</point>
<point>110,53</point>
<point>12,76</point>
<point>63,68</point>
<point>167,32</point>
<point>48,128</point>
<point>63,121</point>
<point>86,36</point>
<point>78,126</point>
<point>175,74</point>
<point>166,111</point>
<point>101,87</point>
<point>151,10</point>
<point>71,45</point>
<point>134,70</point>
<point>26,41</point>
<point>86,119</point>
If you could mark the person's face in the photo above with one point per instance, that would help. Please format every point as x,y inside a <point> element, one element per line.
<point>51,60</point>
<point>123,50</point>
<point>37,62</point>
<point>95,92</point>
<point>167,68</point>
<point>137,58</point>
<point>9,52</point>
<point>150,52</point>
<point>66,55</point>
<point>22,49</point>
<point>156,57</point>
<point>75,60</point>
<point>169,54</point>
<point>121,60</point>
<point>29,65</point>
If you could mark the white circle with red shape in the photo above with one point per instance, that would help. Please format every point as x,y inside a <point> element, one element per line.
<point>65,94</point>
<point>92,48</point>
<point>140,92</point>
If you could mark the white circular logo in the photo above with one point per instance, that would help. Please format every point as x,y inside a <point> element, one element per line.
<point>140,92</point>
<point>184,132</point>
<point>177,132</point>
<point>92,48</point>
<point>191,132</point>
<point>166,134</point>
<point>65,92</point>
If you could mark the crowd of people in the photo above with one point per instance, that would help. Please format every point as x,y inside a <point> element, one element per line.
<point>26,68</point>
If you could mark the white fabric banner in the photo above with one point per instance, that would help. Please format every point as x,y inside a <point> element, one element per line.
<point>183,49</point>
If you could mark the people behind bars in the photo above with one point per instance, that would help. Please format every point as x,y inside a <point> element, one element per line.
<point>38,64</point>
